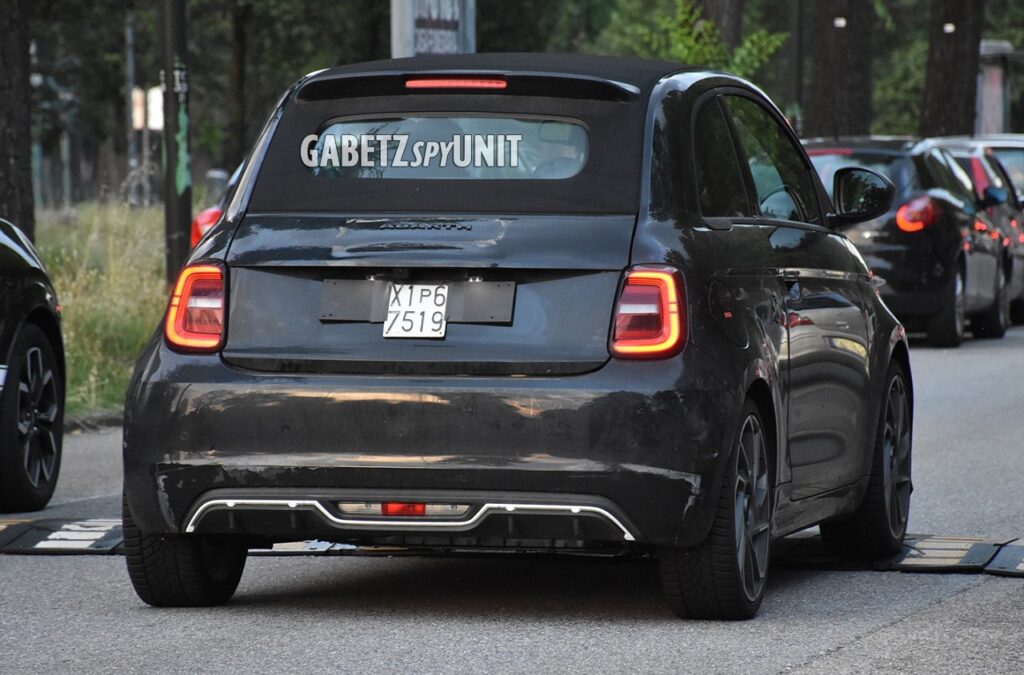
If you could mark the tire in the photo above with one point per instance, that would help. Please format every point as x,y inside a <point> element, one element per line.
<point>946,328</point>
<point>876,530</point>
<point>709,581</point>
<point>182,570</point>
<point>995,322</point>
<point>31,423</point>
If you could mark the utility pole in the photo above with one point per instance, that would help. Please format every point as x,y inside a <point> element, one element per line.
<point>129,75</point>
<point>178,161</point>
<point>796,60</point>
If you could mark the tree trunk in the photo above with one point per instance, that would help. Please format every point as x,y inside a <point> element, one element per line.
<point>728,17</point>
<point>237,146</point>
<point>16,202</point>
<point>838,64</point>
<point>951,79</point>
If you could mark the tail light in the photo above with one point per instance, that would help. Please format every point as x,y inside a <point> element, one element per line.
<point>195,317</point>
<point>203,221</point>
<point>917,214</point>
<point>650,318</point>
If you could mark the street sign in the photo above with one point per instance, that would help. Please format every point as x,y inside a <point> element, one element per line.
<point>432,27</point>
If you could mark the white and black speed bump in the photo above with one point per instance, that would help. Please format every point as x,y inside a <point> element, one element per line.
<point>90,536</point>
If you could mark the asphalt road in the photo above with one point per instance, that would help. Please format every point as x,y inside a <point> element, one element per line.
<point>527,615</point>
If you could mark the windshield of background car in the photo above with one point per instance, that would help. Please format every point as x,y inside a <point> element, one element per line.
<point>454,153</point>
<point>897,168</point>
<point>451,148</point>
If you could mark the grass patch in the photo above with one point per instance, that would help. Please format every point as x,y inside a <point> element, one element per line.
<point>108,269</point>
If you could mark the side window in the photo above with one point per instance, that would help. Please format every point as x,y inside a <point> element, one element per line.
<point>947,174</point>
<point>962,185</point>
<point>720,182</point>
<point>782,178</point>
<point>937,170</point>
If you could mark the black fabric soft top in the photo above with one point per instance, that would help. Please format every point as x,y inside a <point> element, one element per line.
<point>609,182</point>
<point>640,73</point>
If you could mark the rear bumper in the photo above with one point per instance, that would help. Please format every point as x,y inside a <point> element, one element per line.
<point>624,444</point>
<point>493,520</point>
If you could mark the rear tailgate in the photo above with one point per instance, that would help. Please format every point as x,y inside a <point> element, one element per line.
<point>528,294</point>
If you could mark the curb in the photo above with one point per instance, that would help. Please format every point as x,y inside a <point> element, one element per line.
<point>91,421</point>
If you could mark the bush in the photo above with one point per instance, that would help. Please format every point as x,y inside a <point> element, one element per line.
<point>108,269</point>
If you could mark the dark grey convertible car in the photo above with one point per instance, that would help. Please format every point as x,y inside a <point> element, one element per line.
<point>529,302</point>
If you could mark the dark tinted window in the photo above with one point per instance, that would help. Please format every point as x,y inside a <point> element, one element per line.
<point>782,178</point>
<point>946,173</point>
<point>719,177</point>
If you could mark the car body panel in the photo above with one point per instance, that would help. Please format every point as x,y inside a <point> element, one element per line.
<point>27,291</point>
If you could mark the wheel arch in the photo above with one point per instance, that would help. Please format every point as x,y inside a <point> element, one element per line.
<point>760,393</point>
<point>901,355</point>
<point>46,322</point>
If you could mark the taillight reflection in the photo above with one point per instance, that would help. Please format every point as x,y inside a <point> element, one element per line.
<point>650,317</point>
<point>195,316</point>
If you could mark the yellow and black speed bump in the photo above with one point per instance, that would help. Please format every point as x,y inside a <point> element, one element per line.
<point>930,553</point>
<point>11,530</point>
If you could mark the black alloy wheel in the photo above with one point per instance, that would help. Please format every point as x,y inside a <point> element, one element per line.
<point>31,423</point>
<point>877,529</point>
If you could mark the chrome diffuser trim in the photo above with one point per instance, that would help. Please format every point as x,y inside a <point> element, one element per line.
<point>481,513</point>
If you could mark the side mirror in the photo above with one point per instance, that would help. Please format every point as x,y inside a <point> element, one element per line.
<point>860,195</point>
<point>993,196</point>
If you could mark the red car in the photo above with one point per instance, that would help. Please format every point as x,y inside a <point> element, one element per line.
<point>207,218</point>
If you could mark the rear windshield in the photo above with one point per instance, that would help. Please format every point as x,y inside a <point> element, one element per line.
<point>454,153</point>
<point>453,148</point>
<point>1013,162</point>
<point>897,168</point>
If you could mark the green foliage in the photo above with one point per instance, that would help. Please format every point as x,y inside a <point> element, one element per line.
<point>677,31</point>
<point>899,81</point>
<point>107,269</point>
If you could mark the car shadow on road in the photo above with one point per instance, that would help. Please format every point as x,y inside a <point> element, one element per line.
<point>480,588</point>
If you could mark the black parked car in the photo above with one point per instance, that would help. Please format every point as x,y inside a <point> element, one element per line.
<point>31,376</point>
<point>621,318</point>
<point>941,256</point>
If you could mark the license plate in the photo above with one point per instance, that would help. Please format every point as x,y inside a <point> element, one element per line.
<point>416,311</point>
